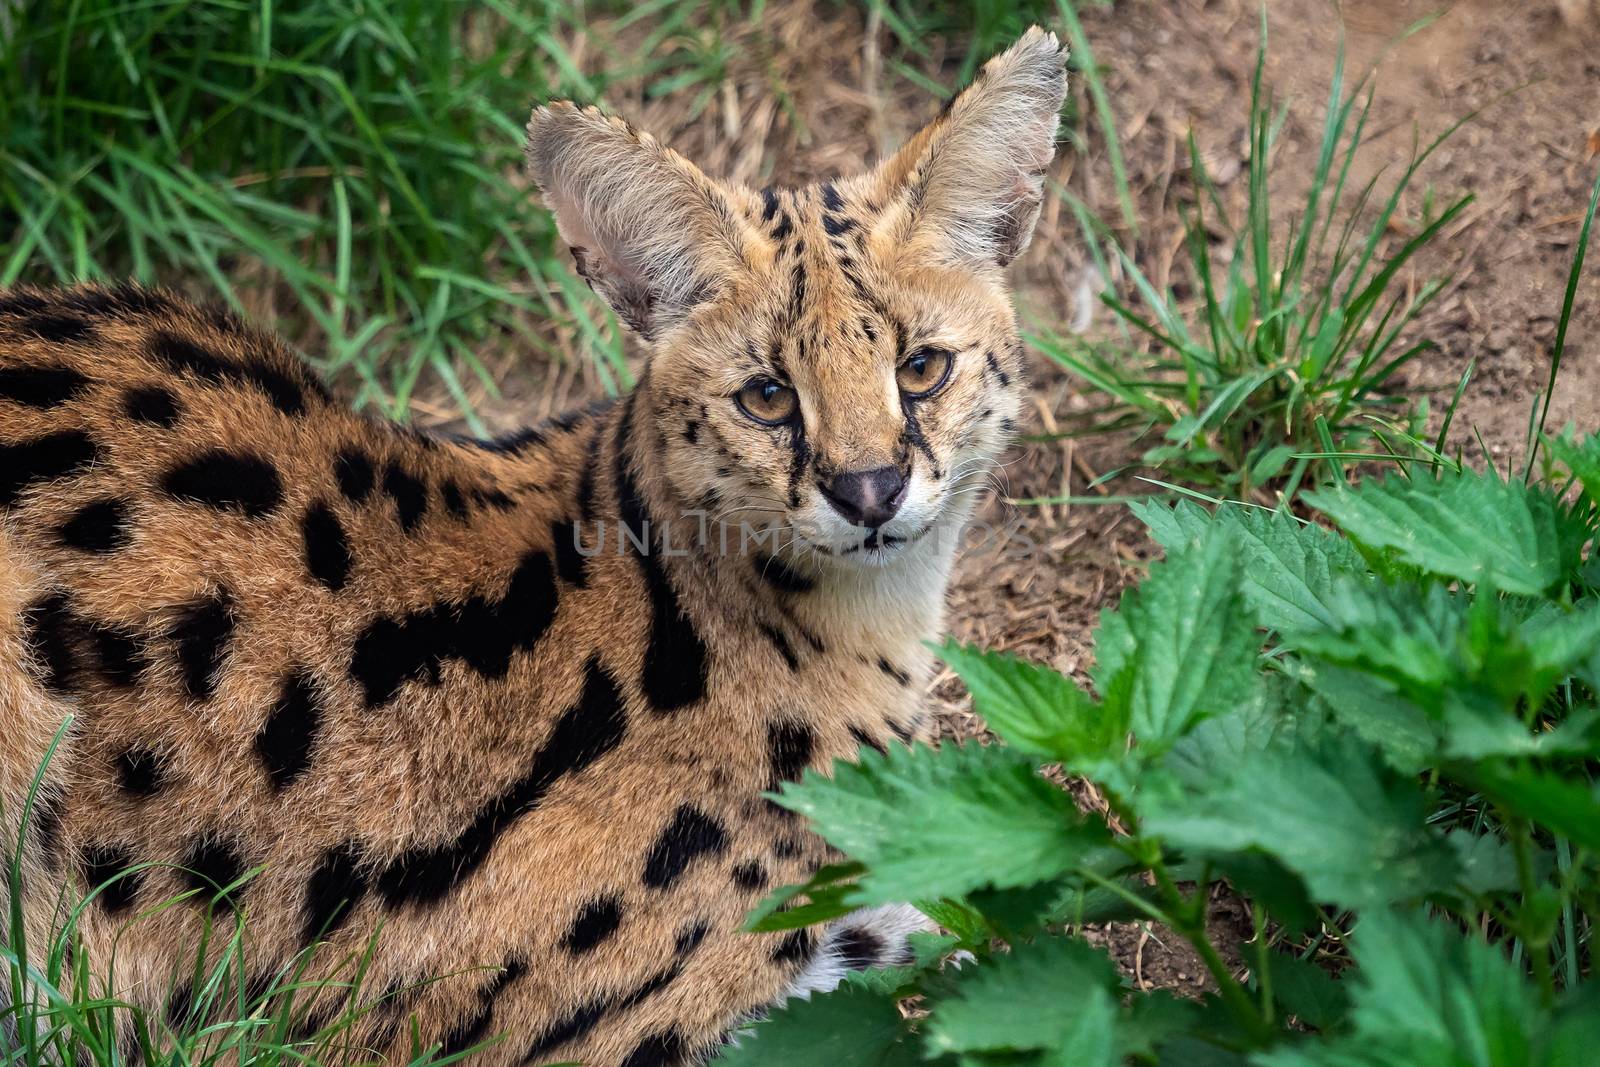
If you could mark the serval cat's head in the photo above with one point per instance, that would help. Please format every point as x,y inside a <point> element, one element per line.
<point>840,361</point>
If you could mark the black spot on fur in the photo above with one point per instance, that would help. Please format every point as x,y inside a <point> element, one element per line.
<point>41,387</point>
<point>777,574</point>
<point>676,658</point>
<point>62,643</point>
<point>691,432</point>
<point>690,936</point>
<point>152,404</point>
<point>663,1049</point>
<point>512,444</point>
<point>769,204</point>
<point>591,464</point>
<point>22,302</point>
<point>750,876</point>
<point>410,495</point>
<point>210,866</point>
<point>454,502</point>
<point>573,1026</point>
<point>140,770</point>
<point>43,459</point>
<point>587,730</point>
<point>59,328</point>
<point>120,655</point>
<point>474,1029</point>
<point>781,643</point>
<point>494,498</point>
<point>867,740</point>
<point>570,562</point>
<point>994,367</point>
<point>47,626</point>
<point>118,301</point>
<point>790,744</point>
<point>859,948</point>
<point>691,834</point>
<point>98,527</point>
<point>228,481</point>
<point>202,635</point>
<point>836,225</point>
<point>180,1005</point>
<point>831,200</point>
<point>285,740</point>
<point>900,731</point>
<point>484,633</point>
<point>102,863</point>
<point>45,822</point>
<point>184,355</point>
<point>795,946</point>
<point>597,921</point>
<point>900,676</point>
<point>353,470</point>
<point>327,547</point>
<point>334,890</point>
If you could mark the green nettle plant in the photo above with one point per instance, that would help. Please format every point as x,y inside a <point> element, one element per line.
<point>1382,735</point>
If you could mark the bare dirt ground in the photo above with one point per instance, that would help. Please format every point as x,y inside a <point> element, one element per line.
<point>1172,67</point>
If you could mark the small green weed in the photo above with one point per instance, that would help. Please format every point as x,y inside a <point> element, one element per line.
<point>1297,335</point>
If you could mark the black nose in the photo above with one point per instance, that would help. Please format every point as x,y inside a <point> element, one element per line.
<point>867,498</point>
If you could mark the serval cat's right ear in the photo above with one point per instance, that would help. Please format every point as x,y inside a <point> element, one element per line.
<point>972,180</point>
<point>649,231</point>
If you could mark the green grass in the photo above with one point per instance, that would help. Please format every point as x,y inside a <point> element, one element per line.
<point>1279,368</point>
<point>358,156</point>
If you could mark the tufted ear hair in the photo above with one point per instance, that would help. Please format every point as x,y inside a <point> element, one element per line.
<point>648,230</point>
<point>972,179</point>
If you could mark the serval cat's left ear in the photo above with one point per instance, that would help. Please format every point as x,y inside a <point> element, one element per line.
<point>649,231</point>
<point>971,181</point>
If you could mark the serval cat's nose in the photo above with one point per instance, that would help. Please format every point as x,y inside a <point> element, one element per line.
<point>867,498</point>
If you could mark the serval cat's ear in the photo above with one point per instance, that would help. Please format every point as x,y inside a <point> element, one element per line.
<point>971,180</point>
<point>649,232</point>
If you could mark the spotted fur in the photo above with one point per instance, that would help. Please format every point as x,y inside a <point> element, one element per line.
<point>508,700</point>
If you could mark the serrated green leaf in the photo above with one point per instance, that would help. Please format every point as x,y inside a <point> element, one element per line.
<point>1034,708</point>
<point>1576,1033</point>
<point>942,822</point>
<point>1227,743</point>
<point>1186,1051</point>
<point>1582,458</point>
<point>1265,880</point>
<point>1180,646</point>
<point>1565,805</point>
<point>1371,707</point>
<point>851,1025</point>
<point>1486,860</point>
<point>1376,850</point>
<point>1155,1018</point>
<point>1406,637</point>
<point>1309,992</point>
<point>1289,566</point>
<point>1472,527</point>
<point>1092,904</point>
<point>1018,912</point>
<point>1026,999</point>
<point>1425,996</point>
<point>1091,1039</point>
